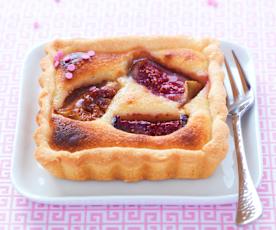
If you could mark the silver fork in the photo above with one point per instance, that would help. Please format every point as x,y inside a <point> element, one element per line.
<point>249,204</point>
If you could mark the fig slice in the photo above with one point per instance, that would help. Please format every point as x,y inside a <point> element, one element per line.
<point>147,127</point>
<point>89,103</point>
<point>192,88</point>
<point>161,81</point>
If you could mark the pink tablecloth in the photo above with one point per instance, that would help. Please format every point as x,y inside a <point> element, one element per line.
<point>24,23</point>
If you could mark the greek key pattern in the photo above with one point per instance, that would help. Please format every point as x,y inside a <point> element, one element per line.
<point>24,23</point>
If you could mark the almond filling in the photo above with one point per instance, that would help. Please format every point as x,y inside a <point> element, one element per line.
<point>90,103</point>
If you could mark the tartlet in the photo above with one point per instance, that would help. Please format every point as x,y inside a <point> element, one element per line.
<point>132,108</point>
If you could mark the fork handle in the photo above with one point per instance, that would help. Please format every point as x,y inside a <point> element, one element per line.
<point>249,204</point>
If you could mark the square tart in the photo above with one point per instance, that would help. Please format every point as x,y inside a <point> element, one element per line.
<point>132,108</point>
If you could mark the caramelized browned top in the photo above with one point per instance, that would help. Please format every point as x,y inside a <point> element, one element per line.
<point>73,135</point>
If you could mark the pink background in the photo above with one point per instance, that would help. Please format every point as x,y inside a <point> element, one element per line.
<point>24,23</point>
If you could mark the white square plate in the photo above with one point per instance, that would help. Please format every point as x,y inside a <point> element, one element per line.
<point>31,180</point>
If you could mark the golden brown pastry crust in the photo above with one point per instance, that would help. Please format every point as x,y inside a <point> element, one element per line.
<point>101,152</point>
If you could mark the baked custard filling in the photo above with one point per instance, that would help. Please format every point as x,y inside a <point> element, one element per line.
<point>90,103</point>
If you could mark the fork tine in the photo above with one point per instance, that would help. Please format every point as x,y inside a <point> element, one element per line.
<point>232,82</point>
<point>245,83</point>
